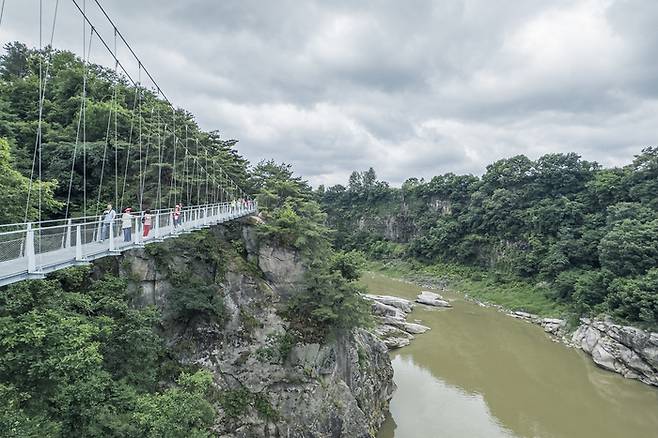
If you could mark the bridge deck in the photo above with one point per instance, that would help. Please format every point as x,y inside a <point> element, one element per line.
<point>77,244</point>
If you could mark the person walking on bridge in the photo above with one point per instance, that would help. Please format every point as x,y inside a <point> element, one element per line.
<point>127,224</point>
<point>176,215</point>
<point>107,220</point>
<point>147,221</point>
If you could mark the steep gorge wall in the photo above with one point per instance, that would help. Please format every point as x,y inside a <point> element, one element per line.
<point>393,219</point>
<point>266,386</point>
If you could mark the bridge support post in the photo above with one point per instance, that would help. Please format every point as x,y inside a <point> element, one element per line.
<point>205,216</point>
<point>111,237</point>
<point>78,243</point>
<point>137,231</point>
<point>29,250</point>
<point>67,242</point>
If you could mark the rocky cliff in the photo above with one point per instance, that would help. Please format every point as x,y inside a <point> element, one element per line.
<point>268,383</point>
<point>626,350</point>
<point>396,226</point>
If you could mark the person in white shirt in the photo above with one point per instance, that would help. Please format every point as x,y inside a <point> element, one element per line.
<point>127,224</point>
<point>107,220</point>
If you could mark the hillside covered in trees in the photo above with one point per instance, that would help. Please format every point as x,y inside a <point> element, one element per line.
<point>103,139</point>
<point>80,353</point>
<point>587,236</point>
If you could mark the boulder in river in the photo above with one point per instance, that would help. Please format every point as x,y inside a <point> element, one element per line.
<point>626,350</point>
<point>524,315</point>
<point>405,305</point>
<point>552,325</point>
<point>393,337</point>
<point>384,310</point>
<point>408,327</point>
<point>432,299</point>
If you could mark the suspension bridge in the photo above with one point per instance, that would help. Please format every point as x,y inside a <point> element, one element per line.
<point>193,192</point>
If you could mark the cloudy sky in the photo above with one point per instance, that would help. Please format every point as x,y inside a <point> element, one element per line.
<point>411,88</point>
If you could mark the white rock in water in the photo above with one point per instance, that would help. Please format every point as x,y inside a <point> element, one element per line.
<point>552,325</point>
<point>408,327</point>
<point>380,309</point>
<point>393,337</point>
<point>432,299</point>
<point>394,343</point>
<point>400,303</point>
<point>626,350</point>
<point>523,315</point>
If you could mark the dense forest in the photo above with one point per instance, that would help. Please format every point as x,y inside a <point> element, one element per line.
<point>77,356</point>
<point>102,140</point>
<point>587,234</point>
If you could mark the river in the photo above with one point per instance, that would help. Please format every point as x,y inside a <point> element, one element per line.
<point>479,373</point>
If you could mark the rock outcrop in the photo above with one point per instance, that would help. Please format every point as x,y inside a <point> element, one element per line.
<point>403,304</point>
<point>282,268</point>
<point>391,313</point>
<point>628,351</point>
<point>432,299</point>
<point>554,326</point>
<point>269,383</point>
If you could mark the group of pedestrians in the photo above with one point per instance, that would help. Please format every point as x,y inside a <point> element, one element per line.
<point>245,204</point>
<point>109,216</point>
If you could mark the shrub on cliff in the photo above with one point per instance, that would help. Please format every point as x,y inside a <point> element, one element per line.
<point>330,300</point>
<point>328,303</point>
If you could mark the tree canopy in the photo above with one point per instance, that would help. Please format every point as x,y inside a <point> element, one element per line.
<point>113,153</point>
<point>590,232</point>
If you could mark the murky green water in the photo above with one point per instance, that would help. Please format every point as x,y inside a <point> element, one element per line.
<point>479,373</point>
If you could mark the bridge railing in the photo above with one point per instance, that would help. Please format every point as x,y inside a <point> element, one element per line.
<point>94,218</point>
<point>48,244</point>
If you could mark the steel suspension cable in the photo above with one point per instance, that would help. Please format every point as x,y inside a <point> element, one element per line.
<point>173,184</point>
<point>123,39</point>
<point>107,140</point>
<point>116,127</point>
<point>207,174</point>
<point>159,199</point>
<point>84,111</point>
<point>85,60</point>
<point>130,139</point>
<point>2,12</point>
<point>42,90</point>
<point>146,161</point>
<point>43,78</point>
<point>112,23</point>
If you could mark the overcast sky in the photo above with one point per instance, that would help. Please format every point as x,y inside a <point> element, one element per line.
<point>411,88</point>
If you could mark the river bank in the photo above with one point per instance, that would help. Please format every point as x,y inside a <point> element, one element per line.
<point>479,373</point>
<point>627,350</point>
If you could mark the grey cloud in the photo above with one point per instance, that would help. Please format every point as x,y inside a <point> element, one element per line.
<point>411,88</point>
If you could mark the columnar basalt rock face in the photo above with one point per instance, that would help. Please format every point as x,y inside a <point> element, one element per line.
<point>628,351</point>
<point>340,388</point>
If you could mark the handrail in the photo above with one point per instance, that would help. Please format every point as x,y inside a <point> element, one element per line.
<point>36,224</point>
<point>34,251</point>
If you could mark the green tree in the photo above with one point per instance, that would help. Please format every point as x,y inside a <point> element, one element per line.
<point>16,188</point>
<point>630,248</point>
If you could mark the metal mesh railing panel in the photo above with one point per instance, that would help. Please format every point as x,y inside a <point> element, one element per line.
<point>12,246</point>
